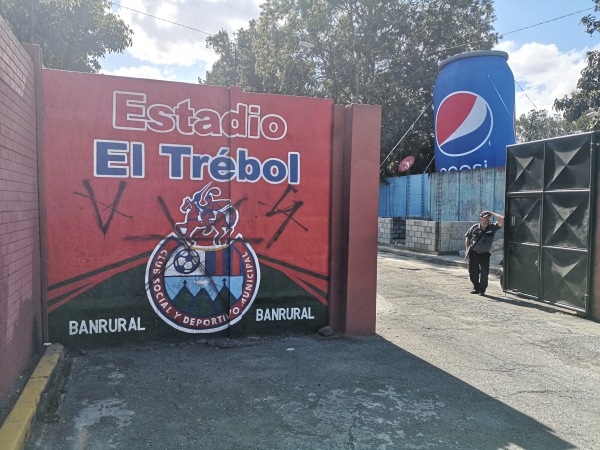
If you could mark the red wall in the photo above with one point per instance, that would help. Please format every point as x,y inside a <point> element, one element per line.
<point>138,176</point>
<point>105,231</point>
<point>20,271</point>
<point>354,202</point>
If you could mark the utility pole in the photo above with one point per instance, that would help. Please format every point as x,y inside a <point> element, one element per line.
<point>354,52</point>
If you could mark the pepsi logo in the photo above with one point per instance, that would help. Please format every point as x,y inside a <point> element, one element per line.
<point>463,123</point>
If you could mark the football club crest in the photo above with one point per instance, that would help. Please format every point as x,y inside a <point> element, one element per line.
<point>199,278</point>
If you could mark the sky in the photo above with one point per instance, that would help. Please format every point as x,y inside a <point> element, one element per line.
<point>544,39</point>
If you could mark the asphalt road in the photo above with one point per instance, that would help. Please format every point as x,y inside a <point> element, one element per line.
<point>447,370</point>
<point>542,361</point>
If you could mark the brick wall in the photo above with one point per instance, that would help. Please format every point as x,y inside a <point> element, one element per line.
<point>452,236</point>
<point>390,230</point>
<point>20,272</point>
<point>446,238</point>
<point>421,235</point>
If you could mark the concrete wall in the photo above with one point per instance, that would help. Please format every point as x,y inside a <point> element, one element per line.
<point>421,235</point>
<point>405,196</point>
<point>20,272</point>
<point>391,230</point>
<point>219,217</point>
<point>353,250</point>
<point>433,237</point>
<point>439,207</point>
<point>452,236</point>
<point>428,236</point>
<point>445,196</point>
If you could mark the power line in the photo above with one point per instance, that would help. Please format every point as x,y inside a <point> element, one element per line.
<point>447,48</point>
<point>525,93</point>
<point>546,21</point>
<point>407,131</point>
<point>501,36</point>
<point>160,18</point>
<point>535,25</point>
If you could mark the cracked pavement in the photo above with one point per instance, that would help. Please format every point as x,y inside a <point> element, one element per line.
<point>446,370</point>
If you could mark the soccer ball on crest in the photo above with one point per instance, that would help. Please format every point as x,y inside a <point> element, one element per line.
<point>186,261</point>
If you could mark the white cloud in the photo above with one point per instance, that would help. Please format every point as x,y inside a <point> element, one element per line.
<point>543,72</point>
<point>157,41</point>
<point>151,72</point>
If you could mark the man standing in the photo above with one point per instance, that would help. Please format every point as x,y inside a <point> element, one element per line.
<point>478,242</point>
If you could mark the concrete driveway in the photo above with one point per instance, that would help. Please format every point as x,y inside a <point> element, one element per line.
<point>447,370</point>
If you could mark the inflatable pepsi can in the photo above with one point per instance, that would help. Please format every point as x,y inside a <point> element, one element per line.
<point>474,110</point>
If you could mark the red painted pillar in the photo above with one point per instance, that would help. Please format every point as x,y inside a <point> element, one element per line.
<point>355,194</point>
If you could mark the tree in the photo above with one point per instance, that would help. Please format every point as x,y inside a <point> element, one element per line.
<point>538,124</point>
<point>237,61</point>
<point>590,22</point>
<point>73,34</point>
<point>383,52</point>
<point>583,104</point>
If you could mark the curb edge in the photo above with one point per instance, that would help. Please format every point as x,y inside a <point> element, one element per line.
<point>16,427</point>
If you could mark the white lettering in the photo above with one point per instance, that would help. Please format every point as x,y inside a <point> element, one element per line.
<point>132,112</point>
<point>102,326</point>
<point>263,315</point>
<point>464,167</point>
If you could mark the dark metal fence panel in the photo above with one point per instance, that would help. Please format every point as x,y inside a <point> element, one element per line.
<point>549,219</point>
<point>524,226</point>
<point>523,234</point>
<point>566,219</point>
<point>564,277</point>
<point>522,269</point>
<point>525,167</point>
<point>567,164</point>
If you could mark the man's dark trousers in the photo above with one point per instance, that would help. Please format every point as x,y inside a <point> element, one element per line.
<point>479,269</point>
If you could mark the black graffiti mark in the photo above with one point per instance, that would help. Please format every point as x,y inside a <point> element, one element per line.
<point>253,240</point>
<point>171,221</point>
<point>113,207</point>
<point>184,242</point>
<point>288,212</point>
<point>173,224</point>
<point>145,237</point>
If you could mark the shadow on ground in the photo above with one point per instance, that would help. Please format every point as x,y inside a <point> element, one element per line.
<point>296,392</point>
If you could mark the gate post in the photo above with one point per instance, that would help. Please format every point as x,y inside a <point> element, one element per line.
<point>354,211</point>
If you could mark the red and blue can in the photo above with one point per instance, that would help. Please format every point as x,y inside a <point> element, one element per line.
<point>474,110</point>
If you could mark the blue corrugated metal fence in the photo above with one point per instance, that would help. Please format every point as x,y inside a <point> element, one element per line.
<point>445,196</point>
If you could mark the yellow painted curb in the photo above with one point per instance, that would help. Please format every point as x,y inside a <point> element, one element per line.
<point>15,429</point>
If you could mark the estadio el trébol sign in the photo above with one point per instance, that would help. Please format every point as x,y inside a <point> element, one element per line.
<point>175,210</point>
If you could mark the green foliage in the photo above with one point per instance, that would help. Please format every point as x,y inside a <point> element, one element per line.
<point>382,52</point>
<point>582,106</point>
<point>73,34</point>
<point>538,124</point>
<point>237,60</point>
<point>590,22</point>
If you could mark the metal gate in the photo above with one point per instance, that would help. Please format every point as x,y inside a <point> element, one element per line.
<point>548,220</point>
